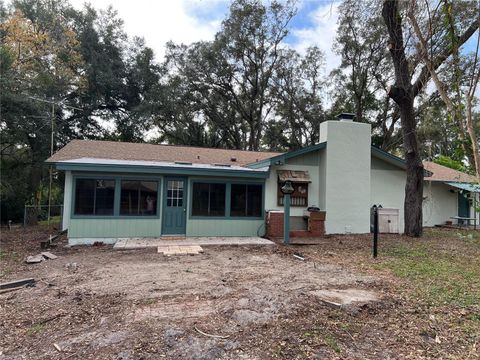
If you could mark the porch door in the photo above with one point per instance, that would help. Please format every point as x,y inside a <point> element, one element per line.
<point>174,206</point>
<point>463,205</point>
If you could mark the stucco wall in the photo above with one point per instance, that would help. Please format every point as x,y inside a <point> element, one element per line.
<point>387,187</point>
<point>347,176</point>
<point>439,203</point>
<point>307,162</point>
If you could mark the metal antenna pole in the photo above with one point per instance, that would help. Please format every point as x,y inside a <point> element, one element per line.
<point>52,125</point>
<point>375,232</point>
<point>50,171</point>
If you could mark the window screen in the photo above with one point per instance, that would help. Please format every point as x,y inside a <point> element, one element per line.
<point>94,197</point>
<point>246,200</point>
<point>208,199</point>
<point>138,197</point>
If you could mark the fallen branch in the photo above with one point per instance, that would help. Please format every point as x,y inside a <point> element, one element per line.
<point>51,318</point>
<point>210,335</point>
<point>11,289</point>
<point>17,283</point>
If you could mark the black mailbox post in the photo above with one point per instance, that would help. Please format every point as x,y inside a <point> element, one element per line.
<point>375,231</point>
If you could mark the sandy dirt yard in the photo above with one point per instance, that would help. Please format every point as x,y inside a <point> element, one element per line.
<point>256,302</point>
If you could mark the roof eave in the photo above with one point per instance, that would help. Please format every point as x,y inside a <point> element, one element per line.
<point>288,155</point>
<point>394,160</point>
<point>167,170</point>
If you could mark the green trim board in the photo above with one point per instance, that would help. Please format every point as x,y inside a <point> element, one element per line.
<point>163,170</point>
<point>394,160</point>
<point>386,156</point>
<point>116,202</point>
<point>465,186</point>
<point>228,183</point>
<point>280,159</point>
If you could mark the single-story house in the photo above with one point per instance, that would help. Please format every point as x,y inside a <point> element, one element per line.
<point>122,190</point>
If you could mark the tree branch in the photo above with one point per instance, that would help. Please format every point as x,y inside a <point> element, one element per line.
<point>440,59</point>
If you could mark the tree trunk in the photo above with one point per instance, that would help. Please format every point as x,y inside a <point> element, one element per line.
<point>473,139</point>
<point>402,93</point>
<point>413,214</point>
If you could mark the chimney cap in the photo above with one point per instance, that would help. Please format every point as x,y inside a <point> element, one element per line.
<point>345,116</point>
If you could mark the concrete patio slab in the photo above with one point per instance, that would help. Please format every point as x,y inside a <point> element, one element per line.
<point>142,243</point>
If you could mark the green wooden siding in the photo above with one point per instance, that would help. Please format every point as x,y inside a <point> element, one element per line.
<point>310,159</point>
<point>207,227</point>
<point>124,226</point>
<point>114,228</point>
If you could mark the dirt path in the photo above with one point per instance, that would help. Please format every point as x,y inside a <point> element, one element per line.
<point>260,302</point>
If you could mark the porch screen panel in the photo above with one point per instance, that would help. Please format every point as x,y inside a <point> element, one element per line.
<point>246,200</point>
<point>254,200</point>
<point>138,197</point>
<point>94,197</point>
<point>208,199</point>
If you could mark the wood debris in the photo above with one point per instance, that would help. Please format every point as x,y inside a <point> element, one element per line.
<point>35,259</point>
<point>14,285</point>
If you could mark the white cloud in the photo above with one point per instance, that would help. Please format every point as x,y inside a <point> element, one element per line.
<point>161,21</point>
<point>321,33</point>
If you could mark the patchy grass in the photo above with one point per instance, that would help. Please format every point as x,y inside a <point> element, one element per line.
<point>35,329</point>
<point>13,255</point>
<point>53,220</point>
<point>442,273</point>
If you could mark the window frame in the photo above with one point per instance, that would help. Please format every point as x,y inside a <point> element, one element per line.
<point>210,183</point>
<point>137,215</point>
<point>116,203</point>
<point>228,183</point>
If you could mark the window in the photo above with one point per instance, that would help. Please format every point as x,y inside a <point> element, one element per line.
<point>246,200</point>
<point>175,193</point>
<point>138,197</point>
<point>94,197</point>
<point>299,197</point>
<point>208,199</point>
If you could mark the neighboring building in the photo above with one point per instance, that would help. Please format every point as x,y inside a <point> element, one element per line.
<point>119,190</point>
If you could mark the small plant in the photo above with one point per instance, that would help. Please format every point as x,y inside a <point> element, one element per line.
<point>150,301</point>
<point>332,343</point>
<point>35,329</point>
<point>466,236</point>
<point>4,254</point>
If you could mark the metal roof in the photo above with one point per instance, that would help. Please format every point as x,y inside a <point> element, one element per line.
<point>465,186</point>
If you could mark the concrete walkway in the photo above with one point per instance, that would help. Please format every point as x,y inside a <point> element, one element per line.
<point>142,243</point>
